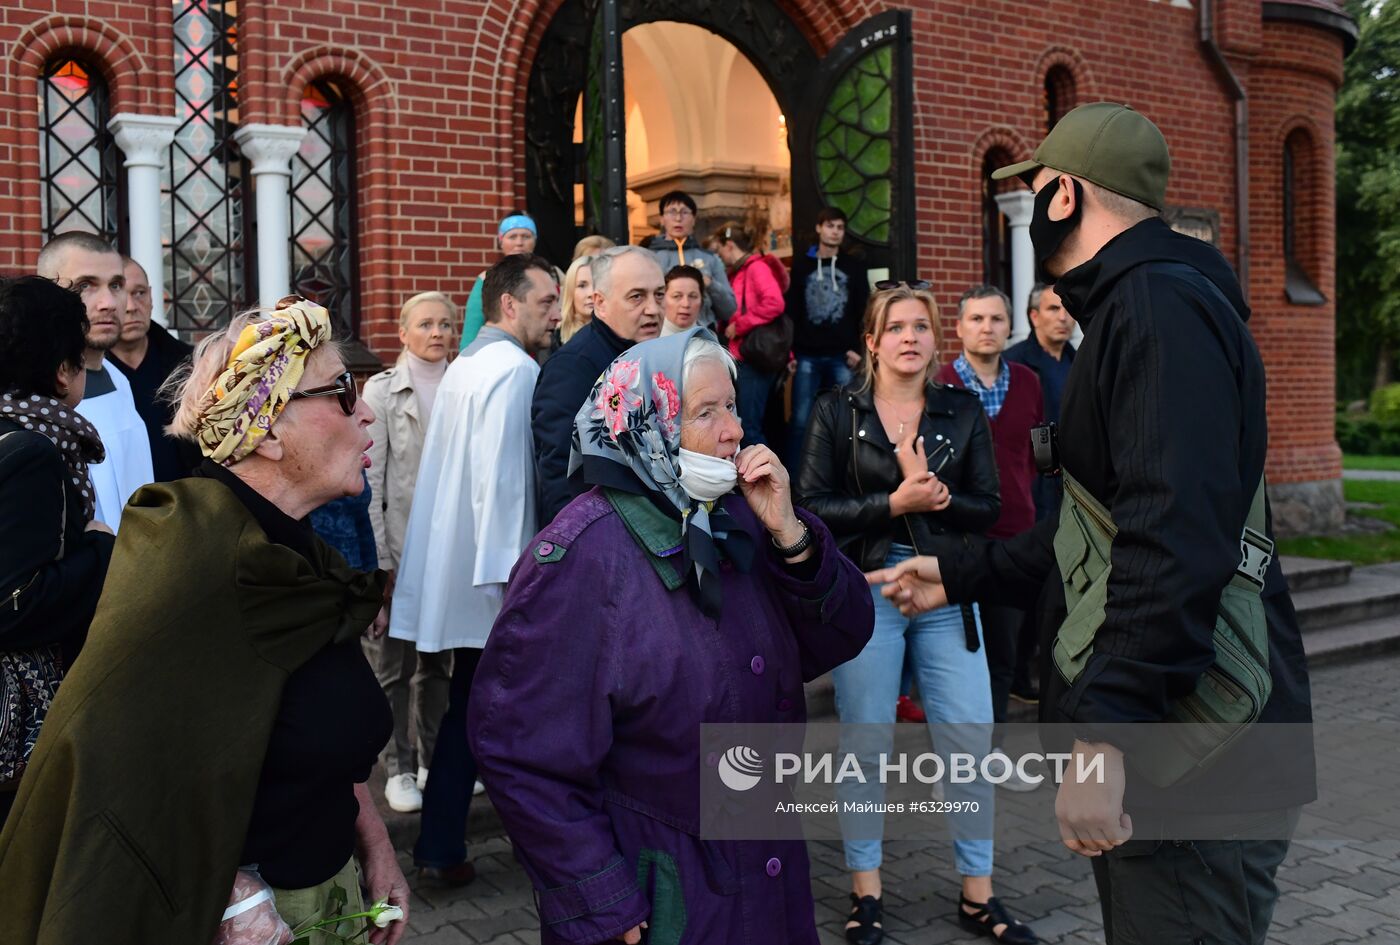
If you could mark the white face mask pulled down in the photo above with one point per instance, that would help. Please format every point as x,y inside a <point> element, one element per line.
<point>706,478</point>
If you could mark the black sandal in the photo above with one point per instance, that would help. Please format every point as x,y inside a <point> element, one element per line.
<point>988,916</point>
<point>867,914</point>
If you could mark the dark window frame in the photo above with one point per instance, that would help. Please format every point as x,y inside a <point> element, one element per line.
<point>1298,287</point>
<point>110,182</point>
<point>996,229</point>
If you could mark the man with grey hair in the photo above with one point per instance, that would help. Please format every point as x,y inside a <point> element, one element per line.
<point>627,290</point>
<point>1048,352</point>
<point>89,265</point>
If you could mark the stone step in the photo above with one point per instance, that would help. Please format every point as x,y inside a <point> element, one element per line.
<point>1352,641</point>
<point>1308,574</point>
<point>1371,592</point>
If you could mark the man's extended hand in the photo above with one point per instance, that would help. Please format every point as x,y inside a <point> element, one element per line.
<point>1090,813</point>
<point>915,585</point>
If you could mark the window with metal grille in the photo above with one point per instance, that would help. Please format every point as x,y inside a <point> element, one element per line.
<point>324,257</point>
<point>206,232</point>
<point>78,160</point>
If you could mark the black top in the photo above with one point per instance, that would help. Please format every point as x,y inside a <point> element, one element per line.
<point>43,598</point>
<point>330,727</point>
<point>563,385</point>
<point>826,301</point>
<point>1163,421</point>
<point>170,458</point>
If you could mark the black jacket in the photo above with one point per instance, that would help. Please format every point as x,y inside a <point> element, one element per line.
<point>171,458</point>
<point>1163,421</point>
<point>849,470</point>
<point>46,599</point>
<point>827,339</point>
<point>563,385</point>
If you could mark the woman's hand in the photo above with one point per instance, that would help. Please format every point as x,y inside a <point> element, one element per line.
<point>915,585</point>
<point>383,877</point>
<point>921,492</point>
<point>633,935</point>
<point>380,626</point>
<point>730,331</point>
<point>766,487</point>
<point>909,452</point>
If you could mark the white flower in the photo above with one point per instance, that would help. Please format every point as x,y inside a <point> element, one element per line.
<point>382,914</point>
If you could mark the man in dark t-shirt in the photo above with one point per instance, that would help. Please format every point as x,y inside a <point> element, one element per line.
<point>148,354</point>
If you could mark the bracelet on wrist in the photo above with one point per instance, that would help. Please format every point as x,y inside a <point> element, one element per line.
<point>795,549</point>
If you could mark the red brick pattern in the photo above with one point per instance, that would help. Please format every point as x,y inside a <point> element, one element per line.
<point>439,91</point>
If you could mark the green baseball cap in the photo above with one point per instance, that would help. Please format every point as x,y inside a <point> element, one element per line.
<point>1108,144</point>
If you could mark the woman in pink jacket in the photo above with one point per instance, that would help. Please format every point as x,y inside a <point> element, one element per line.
<point>760,300</point>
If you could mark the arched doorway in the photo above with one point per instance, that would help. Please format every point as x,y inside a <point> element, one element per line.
<point>848,118</point>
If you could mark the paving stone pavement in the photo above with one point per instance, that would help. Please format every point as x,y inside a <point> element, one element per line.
<point>1340,882</point>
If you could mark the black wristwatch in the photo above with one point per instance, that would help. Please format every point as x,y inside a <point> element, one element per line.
<point>795,549</point>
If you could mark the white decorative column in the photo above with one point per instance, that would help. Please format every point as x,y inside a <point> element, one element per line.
<point>270,147</point>
<point>1017,205</point>
<point>145,140</point>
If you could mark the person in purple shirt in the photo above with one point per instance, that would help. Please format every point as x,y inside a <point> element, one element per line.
<point>654,603</point>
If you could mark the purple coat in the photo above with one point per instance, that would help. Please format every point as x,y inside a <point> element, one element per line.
<point>585,722</point>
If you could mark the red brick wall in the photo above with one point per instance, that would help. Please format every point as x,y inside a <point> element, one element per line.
<point>439,92</point>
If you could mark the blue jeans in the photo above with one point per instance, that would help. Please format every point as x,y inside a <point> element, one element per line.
<point>955,688</point>
<point>815,373</point>
<point>442,829</point>
<point>752,395</point>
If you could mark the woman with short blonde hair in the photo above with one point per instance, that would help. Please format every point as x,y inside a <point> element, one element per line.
<point>402,399</point>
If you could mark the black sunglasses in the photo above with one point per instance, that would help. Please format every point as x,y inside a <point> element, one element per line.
<point>916,285</point>
<point>343,389</point>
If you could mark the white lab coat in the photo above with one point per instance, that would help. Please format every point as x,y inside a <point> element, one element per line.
<point>127,466</point>
<point>474,502</point>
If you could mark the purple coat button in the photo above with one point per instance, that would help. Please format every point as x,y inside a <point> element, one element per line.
<point>756,664</point>
<point>784,705</point>
<point>546,548</point>
<point>774,867</point>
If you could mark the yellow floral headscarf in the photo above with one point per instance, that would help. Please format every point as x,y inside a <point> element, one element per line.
<point>263,369</point>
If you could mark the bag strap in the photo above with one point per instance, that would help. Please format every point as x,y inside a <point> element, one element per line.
<point>1256,549</point>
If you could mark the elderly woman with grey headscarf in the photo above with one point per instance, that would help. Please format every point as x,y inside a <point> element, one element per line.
<point>222,714</point>
<point>659,601</point>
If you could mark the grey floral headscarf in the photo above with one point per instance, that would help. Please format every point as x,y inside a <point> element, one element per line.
<point>627,435</point>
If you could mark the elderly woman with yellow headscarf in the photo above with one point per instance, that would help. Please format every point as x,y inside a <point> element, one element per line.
<point>222,717</point>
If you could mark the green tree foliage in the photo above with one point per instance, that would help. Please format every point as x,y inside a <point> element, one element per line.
<point>1368,202</point>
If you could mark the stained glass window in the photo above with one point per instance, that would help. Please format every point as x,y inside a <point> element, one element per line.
<point>996,231</point>
<point>323,205</point>
<point>855,145</point>
<point>78,159</point>
<point>203,224</point>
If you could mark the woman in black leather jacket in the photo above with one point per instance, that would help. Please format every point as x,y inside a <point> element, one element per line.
<point>895,465</point>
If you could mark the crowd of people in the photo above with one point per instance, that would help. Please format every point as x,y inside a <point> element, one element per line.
<point>551,541</point>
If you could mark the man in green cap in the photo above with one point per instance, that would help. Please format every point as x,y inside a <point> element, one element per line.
<point>1163,430</point>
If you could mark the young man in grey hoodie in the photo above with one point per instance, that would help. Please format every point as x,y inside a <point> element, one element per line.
<point>676,245</point>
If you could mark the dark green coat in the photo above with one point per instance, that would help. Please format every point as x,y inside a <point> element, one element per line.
<point>131,819</point>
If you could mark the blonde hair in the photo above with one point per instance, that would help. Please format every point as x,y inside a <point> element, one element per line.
<point>187,384</point>
<point>572,320</point>
<point>877,313</point>
<point>592,245</point>
<point>416,300</point>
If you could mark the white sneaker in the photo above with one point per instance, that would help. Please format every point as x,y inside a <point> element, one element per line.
<point>422,777</point>
<point>478,788</point>
<point>401,791</point>
<point>1018,784</point>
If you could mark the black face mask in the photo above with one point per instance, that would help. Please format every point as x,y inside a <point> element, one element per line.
<point>1046,234</point>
